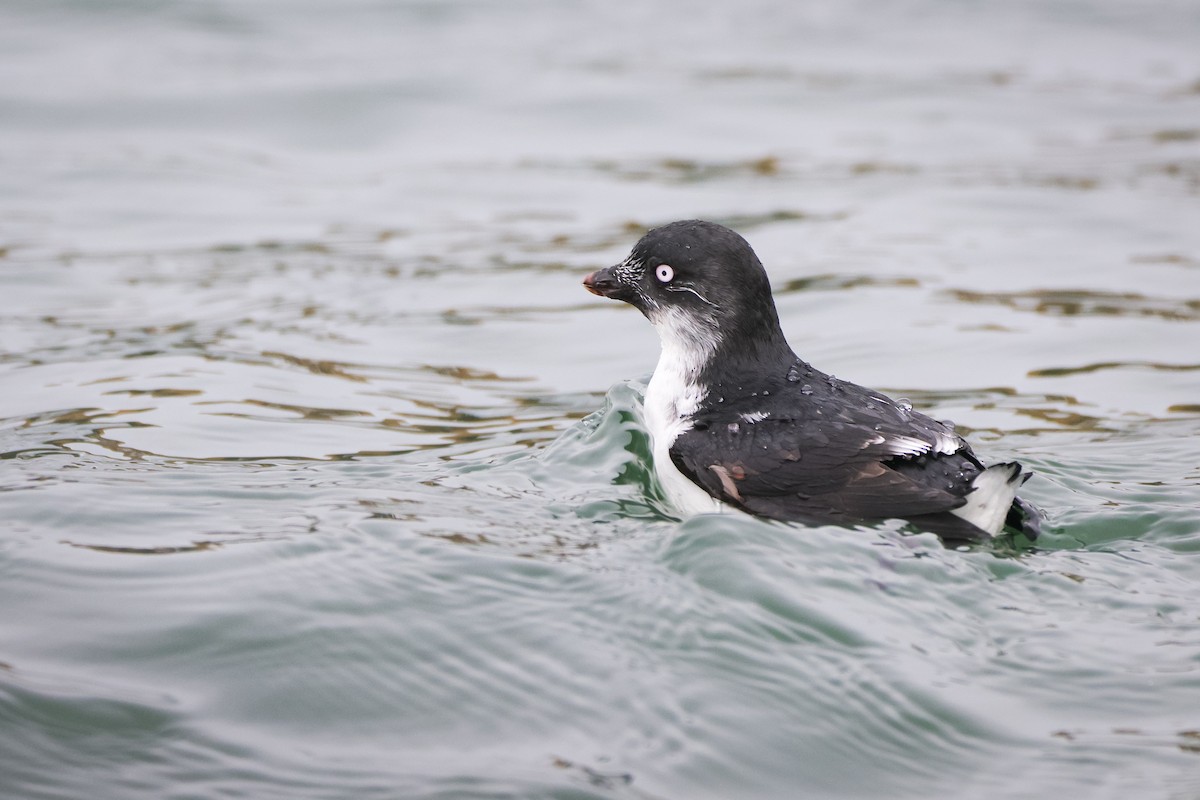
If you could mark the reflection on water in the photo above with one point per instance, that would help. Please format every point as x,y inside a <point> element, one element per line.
<point>1057,372</point>
<point>1073,302</point>
<point>293,305</point>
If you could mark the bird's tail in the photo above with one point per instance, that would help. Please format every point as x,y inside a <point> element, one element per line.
<point>991,498</point>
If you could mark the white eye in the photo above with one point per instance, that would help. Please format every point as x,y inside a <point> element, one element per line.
<point>664,273</point>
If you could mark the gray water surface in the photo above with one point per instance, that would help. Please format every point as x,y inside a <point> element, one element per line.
<point>322,477</point>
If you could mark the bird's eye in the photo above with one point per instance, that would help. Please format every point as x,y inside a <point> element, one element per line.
<point>664,273</point>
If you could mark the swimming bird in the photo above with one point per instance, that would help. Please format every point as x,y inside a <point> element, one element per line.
<point>737,420</point>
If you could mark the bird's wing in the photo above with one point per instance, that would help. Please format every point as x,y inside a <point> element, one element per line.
<point>846,465</point>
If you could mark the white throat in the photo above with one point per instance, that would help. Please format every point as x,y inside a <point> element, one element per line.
<point>675,393</point>
<point>673,396</point>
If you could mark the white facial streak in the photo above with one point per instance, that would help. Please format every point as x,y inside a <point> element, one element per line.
<point>685,288</point>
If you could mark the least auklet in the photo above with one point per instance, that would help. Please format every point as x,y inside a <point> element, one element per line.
<point>736,419</point>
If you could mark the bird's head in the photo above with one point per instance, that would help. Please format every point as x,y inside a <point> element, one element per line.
<point>701,286</point>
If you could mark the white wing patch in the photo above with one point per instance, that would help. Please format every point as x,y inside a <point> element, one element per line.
<point>910,446</point>
<point>903,445</point>
<point>755,416</point>
<point>946,443</point>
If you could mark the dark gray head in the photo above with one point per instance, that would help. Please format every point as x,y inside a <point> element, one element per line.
<point>702,287</point>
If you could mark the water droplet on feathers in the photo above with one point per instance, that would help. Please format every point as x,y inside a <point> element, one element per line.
<point>798,371</point>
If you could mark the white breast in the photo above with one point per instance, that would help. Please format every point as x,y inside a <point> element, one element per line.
<point>671,398</point>
<point>684,495</point>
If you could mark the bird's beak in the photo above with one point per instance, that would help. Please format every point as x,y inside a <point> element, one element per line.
<point>603,282</point>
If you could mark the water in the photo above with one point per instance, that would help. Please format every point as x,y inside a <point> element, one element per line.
<point>323,477</point>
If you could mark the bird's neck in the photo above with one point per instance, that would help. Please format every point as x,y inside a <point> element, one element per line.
<point>675,391</point>
<point>742,365</point>
<point>688,379</point>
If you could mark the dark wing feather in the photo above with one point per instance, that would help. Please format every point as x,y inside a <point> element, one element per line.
<point>790,470</point>
<point>849,455</point>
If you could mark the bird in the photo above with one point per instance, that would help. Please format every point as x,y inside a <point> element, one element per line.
<point>738,421</point>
